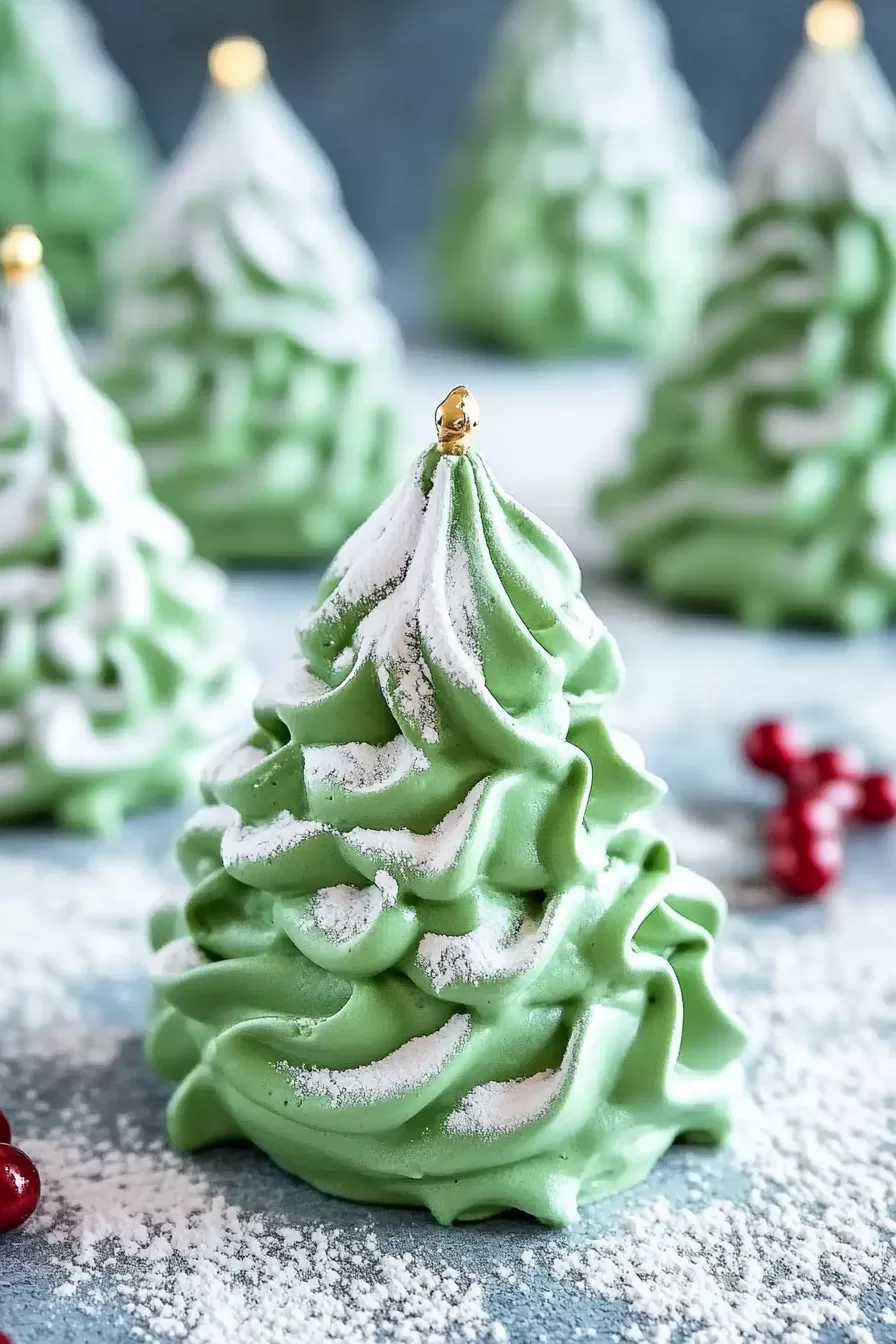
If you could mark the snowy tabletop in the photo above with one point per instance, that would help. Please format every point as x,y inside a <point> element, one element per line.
<point>787,1234</point>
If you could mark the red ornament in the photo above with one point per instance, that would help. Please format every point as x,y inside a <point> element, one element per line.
<point>5,1137</point>
<point>808,869</point>
<point>835,773</point>
<point>19,1187</point>
<point>878,803</point>
<point>801,819</point>
<point>4,1339</point>
<point>775,747</point>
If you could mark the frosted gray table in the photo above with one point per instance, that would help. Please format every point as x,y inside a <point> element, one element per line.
<point>691,685</point>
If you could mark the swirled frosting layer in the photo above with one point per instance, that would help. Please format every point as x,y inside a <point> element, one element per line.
<point>424,959</point>
<point>247,345</point>
<point>118,662</point>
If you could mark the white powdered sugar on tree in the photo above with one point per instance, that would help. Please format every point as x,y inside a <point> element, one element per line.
<point>118,664</point>
<point>751,486</point>
<point>583,212</point>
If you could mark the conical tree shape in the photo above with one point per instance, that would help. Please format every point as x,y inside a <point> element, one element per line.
<point>425,959</point>
<point>247,347</point>
<point>74,157</point>
<point>116,663</point>
<point>764,482</point>
<point>584,210</point>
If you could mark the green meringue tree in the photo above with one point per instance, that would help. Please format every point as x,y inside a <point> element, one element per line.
<point>246,344</point>
<point>426,958</point>
<point>74,156</point>
<point>583,211</point>
<point>764,482</point>
<point>117,664</point>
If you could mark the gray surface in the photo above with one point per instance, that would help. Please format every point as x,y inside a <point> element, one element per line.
<point>385,84</point>
<point>691,685</point>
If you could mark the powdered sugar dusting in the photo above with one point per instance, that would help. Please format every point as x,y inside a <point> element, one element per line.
<point>499,945</point>
<point>361,767</point>
<point>144,1231</point>
<point>498,1108</point>
<point>345,913</point>
<point>176,958</point>
<point>233,761</point>
<point>62,929</point>
<point>430,853</point>
<point>293,684</point>
<point>405,1069</point>
<point>259,841</point>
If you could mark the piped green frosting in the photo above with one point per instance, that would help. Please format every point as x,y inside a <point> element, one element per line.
<point>119,665</point>
<point>428,955</point>
<point>764,481</point>
<point>246,343</point>
<point>585,205</point>
<point>75,157</point>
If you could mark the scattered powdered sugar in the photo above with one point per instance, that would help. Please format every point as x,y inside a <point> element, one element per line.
<point>234,760</point>
<point>292,684</point>
<point>63,930</point>
<point>498,1108</point>
<point>345,913</point>
<point>176,958</point>
<point>137,1229</point>
<point>214,817</point>
<point>258,841</point>
<point>410,1066</point>
<point>806,1250</point>
<point>499,945</point>
<point>430,853</point>
<point>361,767</point>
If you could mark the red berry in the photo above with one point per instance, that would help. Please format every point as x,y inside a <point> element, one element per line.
<point>4,1339</point>
<point>801,819</point>
<point>5,1136</point>
<point>878,803</point>
<point>774,747</point>
<point>19,1187</point>
<point>835,773</point>
<point>808,869</point>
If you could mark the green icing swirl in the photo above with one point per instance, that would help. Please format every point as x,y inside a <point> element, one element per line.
<point>246,343</point>
<point>117,661</point>
<point>764,480</point>
<point>75,156</point>
<point>585,207</point>
<point>424,960</point>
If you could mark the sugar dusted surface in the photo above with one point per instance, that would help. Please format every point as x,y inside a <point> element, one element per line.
<point>412,1065</point>
<point>257,842</point>
<point>768,1239</point>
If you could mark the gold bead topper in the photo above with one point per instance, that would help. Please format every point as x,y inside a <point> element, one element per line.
<point>834,25</point>
<point>457,420</point>
<point>21,253</point>
<point>237,63</point>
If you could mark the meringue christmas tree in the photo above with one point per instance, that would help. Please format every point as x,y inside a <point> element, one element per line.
<point>765,480</point>
<point>247,346</point>
<point>428,956</point>
<point>116,665</point>
<point>584,209</point>
<point>74,156</point>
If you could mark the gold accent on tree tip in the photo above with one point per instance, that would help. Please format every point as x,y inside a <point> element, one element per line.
<point>457,419</point>
<point>237,63</point>
<point>834,25</point>
<point>21,253</point>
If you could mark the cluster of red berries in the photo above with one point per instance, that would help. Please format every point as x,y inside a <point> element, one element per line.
<point>19,1183</point>
<point>826,791</point>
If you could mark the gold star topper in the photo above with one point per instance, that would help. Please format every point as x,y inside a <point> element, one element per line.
<point>237,63</point>
<point>457,419</point>
<point>21,253</point>
<point>834,25</point>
